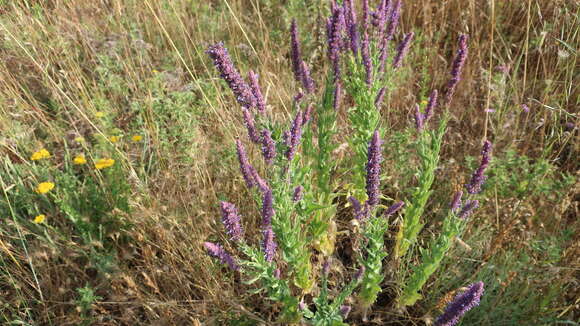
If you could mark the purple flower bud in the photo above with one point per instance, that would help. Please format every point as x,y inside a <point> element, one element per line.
<point>255,86</point>
<point>403,49</point>
<point>301,305</point>
<point>268,146</point>
<point>468,208</point>
<point>380,96</point>
<point>245,166</point>
<point>344,311</point>
<point>262,184</point>
<point>297,196</point>
<point>295,135</point>
<point>337,96</point>
<point>431,105</point>
<point>307,80</point>
<point>307,115</point>
<point>277,273</point>
<point>326,267</point>
<point>373,169</point>
<point>223,63</point>
<point>231,220</point>
<point>394,208</point>
<point>269,244</point>
<point>366,58</point>
<point>298,97</point>
<point>360,273</point>
<point>461,304</point>
<point>217,251</point>
<point>356,207</point>
<point>250,125</point>
<point>267,208</point>
<point>458,64</point>
<point>478,177</point>
<point>295,51</point>
<point>456,202</point>
<point>526,108</point>
<point>419,118</point>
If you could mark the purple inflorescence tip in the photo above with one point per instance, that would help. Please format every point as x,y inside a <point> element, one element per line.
<point>307,80</point>
<point>395,14</point>
<point>307,115</point>
<point>461,304</point>
<point>458,64</point>
<point>357,207</point>
<point>294,136</point>
<point>277,273</point>
<point>217,251</point>
<point>301,305</point>
<point>360,273</point>
<point>525,108</point>
<point>245,166</point>
<point>478,177</point>
<point>373,169</point>
<point>365,15</point>
<point>419,118</point>
<point>268,146</point>
<point>269,244</point>
<point>232,221</point>
<point>352,27</point>
<point>337,96</point>
<point>295,51</point>
<point>403,49</point>
<point>456,202</point>
<point>431,105</point>
<point>297,196</point>
<point>223,63</point>
<point>267,208</point>
<point>260,103</point>
<point>250,125</point>
<point>380,96</point>
<point>344,311</point>
<point>394,208</point>
<point>262,184</point>
<point>366,58</point>
<point>468,208</point>
<point>326,267</point>
<point>335,40</point>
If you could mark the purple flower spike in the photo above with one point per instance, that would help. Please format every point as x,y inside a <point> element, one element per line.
<point>525,108</point>
<point>260,103</point>
<point>419,118</point>
<point>250,125</point>
<point>268,146</point>
<point>337,96</point>
<point>295,51</point>
<point>307,115</point>
<point>478,177</point>
<point>307,80</point>
<point>335,40</point>
<point>223,63</point>
<point>380,96</point>
<point>267,208</point>
<point>217,251</point>
<point>231,220</point>
<point>326,267</point>
<point>394,21</point>
<point>344,311</point>
<point>394,208</point>
<point>366,58</point>
<point>365,15</point>
<point>461,304</point>
<point>403,49</point>
<point>456,202</point>
<point>431,105</point>
<point>352,27</point>
<point>297,196</point>
<point>294,136</point>
<point>269,244</point>
<point>468,208</point>
<point>374,169</point>
<point>458,64</point>
<point>262,184</point>
<point>356,207</point>
<point>245,166</point>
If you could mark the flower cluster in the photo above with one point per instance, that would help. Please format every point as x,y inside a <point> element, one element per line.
<point>461,304</point>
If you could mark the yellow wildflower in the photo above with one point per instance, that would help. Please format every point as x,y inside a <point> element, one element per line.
<point>44,187</point>
<point>79,159</point>
<point>99,114</point>
<point>39,219</point>
<point>79,139</point>
<point>424,102</point>
<point>104,163</point>
<point>136,138</point>
<point>43,153</point>
<point>114,139</point>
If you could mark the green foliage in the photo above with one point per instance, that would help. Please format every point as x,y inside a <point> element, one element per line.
<point>87,298</point>
<point>374,231</point>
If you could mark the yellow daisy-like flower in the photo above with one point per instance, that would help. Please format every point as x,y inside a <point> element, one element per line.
<point>104,163</point>
<point>41,154</point>
<point>79,159</point>
<point>424,102</point>
<point>136,138</point>
<point>44,187</point>
<point>99,114</point>
<point>114,139</point>
<point>39,219</point>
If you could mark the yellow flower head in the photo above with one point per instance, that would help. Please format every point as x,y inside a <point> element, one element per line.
<point>41,154</point>
<point>44,187</point>
<point>136,138</point>
<point>99,114</point>
<point>79,159</point>
<point>39,219</point>
<point>424,102</point>
<point>79,139</point>
<point>104,163</point>
<point>114,139</point>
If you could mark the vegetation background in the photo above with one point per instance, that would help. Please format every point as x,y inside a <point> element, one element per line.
<point>129,81</point>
